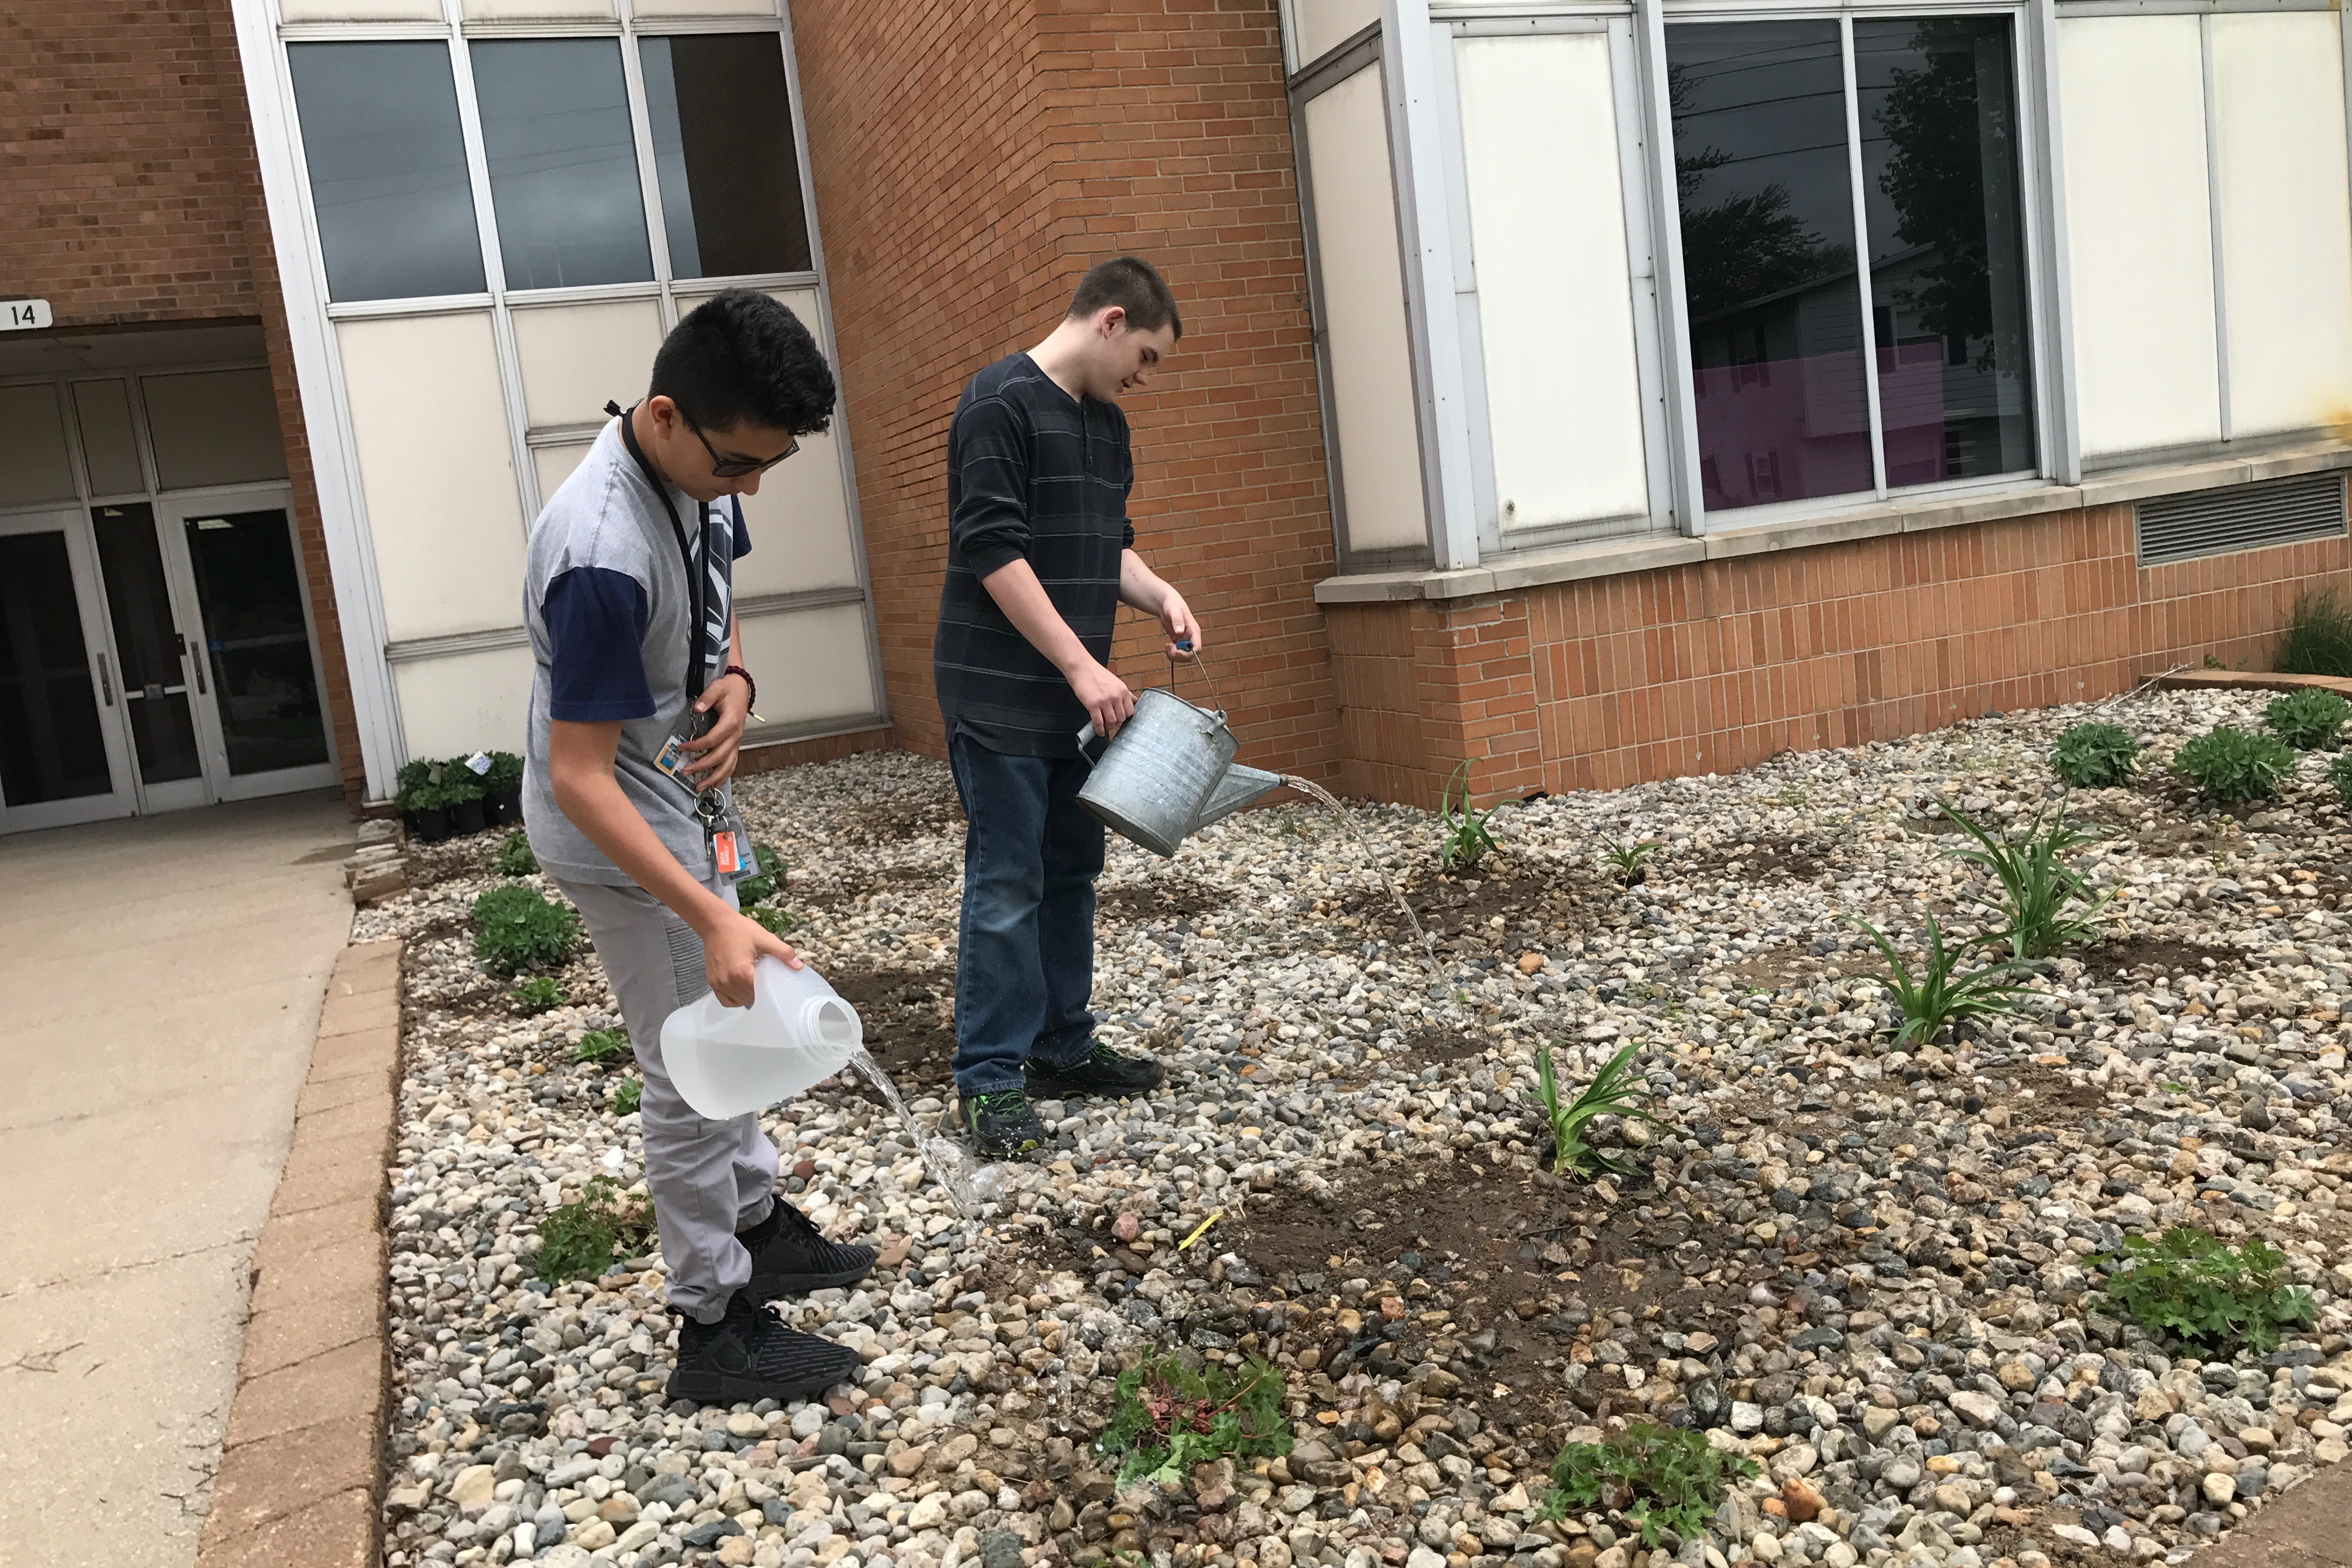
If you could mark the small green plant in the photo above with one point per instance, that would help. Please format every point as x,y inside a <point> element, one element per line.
<point>2307,720</point>
<point>514,856</point>
<point>2318,636</point>
<point>581,1239</point>
<point>515,929</point>
<point>537,994</point>
<point>2227,764</point>
<point>1940,995</point>
<point>601,1046</point>
<point>763,882</point>
<point>506,772</point>
<point>2039,890</point>
<point>2093,756</point>
<point>778,922</point>
<point>1656,1478</point>
<point>1168,1419</point>
<point>2187,1283</point>
<point>2339,773</point>
<point>1613,1091</point>
<point>1468,838</point>
<point>627,1097</point>
<point>1626,860</point>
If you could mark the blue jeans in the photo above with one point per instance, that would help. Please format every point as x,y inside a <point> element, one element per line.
<point>1025,941</point>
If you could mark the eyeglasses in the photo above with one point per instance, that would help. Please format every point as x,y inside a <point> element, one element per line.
<point>738,467</point>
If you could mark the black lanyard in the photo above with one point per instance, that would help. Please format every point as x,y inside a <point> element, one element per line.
<point>697,579</point>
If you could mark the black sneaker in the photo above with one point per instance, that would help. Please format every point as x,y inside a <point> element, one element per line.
<point>1002,1124</point>
<point>790,1256</point>
<point>750,1355</point>
<point>1101,1071</point>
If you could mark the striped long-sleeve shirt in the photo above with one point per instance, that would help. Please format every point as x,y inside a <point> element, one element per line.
<point>1034,474</point>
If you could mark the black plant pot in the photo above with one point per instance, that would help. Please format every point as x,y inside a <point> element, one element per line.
<point>503,808</point>
<point>469,814</point>
<point>432,824</point>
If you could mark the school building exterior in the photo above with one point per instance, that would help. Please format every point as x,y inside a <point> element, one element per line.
<point>1595,392</point>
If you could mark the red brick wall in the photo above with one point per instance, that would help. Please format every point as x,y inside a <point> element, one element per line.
<point>127,170</point>
<point>972,158</point>
<point>1714,668</point>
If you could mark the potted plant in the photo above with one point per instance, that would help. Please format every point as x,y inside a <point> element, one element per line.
<point>429,811</point>
<point>412,776</point>
<point>464,788</point>
<point>502,790</point>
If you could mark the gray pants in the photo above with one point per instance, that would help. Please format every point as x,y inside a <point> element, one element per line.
<point>708,1179</point>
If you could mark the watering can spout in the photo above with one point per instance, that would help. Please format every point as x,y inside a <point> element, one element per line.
<point>1240,787</point>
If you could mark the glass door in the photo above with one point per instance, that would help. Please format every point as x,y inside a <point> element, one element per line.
<point>159,686</point>
<point>63,751</point>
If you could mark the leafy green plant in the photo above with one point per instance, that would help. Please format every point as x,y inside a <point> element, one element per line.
<point>778,922</point>
<point>626,1097</point>
<point>2039,890</point>
<point>1168,1419</point>
<point>2227,764</point>
<point>1613,1091</point>
<point>601,1046</point>
<point>416,773</point>
<point>1656,1478</point>
<point>1941,994</point>
<point>2093,756</point>
<point>514,856</point>
<point>2339,773</point>
<point>765,879</point>
<point>537,994</point>
<point>1468,838</point>
<point>2307,720</point>
<point>2318,636</point>
<point>515,929</point>
<point>461,782</point>
<point>2187,1283</point>
<point>506,772</point>
<point>581,1239</point>
<point>1626,860</point>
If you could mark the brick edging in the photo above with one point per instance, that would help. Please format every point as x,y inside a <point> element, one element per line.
<point>303,1460</point>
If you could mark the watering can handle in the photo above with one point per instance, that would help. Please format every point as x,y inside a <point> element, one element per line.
<point>1203,666</point>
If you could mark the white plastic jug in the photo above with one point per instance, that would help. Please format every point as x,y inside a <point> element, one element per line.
<point>728,1061</point>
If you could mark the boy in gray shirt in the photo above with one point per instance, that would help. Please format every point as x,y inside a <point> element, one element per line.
<point>637,709</point>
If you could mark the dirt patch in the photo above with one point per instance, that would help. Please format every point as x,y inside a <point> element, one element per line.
<point>909,1018</point>
<point>1432,1047</point>
<point>895,821</point>
<point>2127,957</point>
<point>879,880</point>
<point>1538,901</point>
<point>1769,860</point>
<point>1158,901</point>
<point>2056,1096</point>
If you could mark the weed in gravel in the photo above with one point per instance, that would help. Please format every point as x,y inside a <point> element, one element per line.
<point>1656,1478</point>
<point>2307,720</point>
<point>1613,1091</point>
<point>1468,838</point>
<point>2093,756</point>
<point>1940,995</point>
<point>2227,764</point>
<point>1168,1419</point>
<point>581,1239</point>
<point>537,994</point>
<point>601,1046</point>
<point>626,1097</point>
<point>2186,1282</point>
<point>2039,890</point>
<point>1626,860</point>
<point>778,922</point>
<point>2318,636</point>
<point>765,880</point>
<point>2339,773</point>
<point>517,928</point>
<point>514,856</point>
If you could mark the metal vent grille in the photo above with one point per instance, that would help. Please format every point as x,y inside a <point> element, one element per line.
<point>2242,517</point>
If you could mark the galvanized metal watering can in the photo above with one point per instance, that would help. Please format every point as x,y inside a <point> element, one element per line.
<point>1170,772</point>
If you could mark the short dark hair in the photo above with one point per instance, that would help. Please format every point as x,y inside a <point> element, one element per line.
<point>1134,286</point>
<point>741,356</point>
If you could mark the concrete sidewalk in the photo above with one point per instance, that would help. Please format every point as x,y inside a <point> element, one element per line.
<point>162,980</point>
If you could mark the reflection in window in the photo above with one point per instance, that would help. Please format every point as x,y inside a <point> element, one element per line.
<point>387,169</point>
<point>563,165</point>
<point>723,133</point>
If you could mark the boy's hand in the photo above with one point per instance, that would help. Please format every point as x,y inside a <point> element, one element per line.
<point>729,701</point>
<point>1105,697</point>
<point>729,949</point>
<point>1176,620</point>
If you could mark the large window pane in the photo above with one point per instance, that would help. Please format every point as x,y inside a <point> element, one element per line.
<point>387,169</point>
<point>722,131</point>
<point>1939,160</point>
<point>1766,191</point>
<point>564,167</point>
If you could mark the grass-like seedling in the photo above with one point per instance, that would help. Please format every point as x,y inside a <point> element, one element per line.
<point>1940,994</point>
<point>778,922</point>
<point>2339,773</point>
<point>1626,860</point>
<point>537,994</point>
<point>1613,1091</point>
<point>2318,636</point>
<point>2307,720</point>
<point>601,1046</point>
<point>2187,1283</point>
<point>1168,1419</point>
<point>626,1097</point>
<point>763,882</point>
<point>515,929</point>
<point>2227,764</point>
<point>1657,1479</point>
<point>1468,838</point>
<point>2093,756</point>
<point>514,857</point>
<point>581,1239</point>
<point>2040,891</point>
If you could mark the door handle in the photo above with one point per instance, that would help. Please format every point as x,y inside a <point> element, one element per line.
<point>105,681</point>
<point>195,660</point>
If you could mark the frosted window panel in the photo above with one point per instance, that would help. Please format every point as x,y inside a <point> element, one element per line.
<point>2286,232</point>
<point>524,10</point>
<point>1324,25</point>
<point>812,662</point>
<point>577,358</point>
<point>800,525</point>
<point>436,472</point>
<point>455,706</point>
<point>110,445</point>
<point>555,465</point>
<point>703,8</point>
<point>35,465</point>
<point>562,162</point>
<point>1363,308</point>
<point>358,10</point>
<point>213,427</point>
<point>1548,224</point>
<point>2140,231</point>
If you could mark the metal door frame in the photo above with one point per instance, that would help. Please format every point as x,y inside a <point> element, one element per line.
<point>98,656</point>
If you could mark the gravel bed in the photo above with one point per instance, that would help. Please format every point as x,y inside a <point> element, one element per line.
<point>1867,1268</point>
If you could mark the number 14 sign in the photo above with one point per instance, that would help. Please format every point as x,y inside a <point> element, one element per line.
<point>25,315</point>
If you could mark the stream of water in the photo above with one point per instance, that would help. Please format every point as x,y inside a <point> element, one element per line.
<point>1338,809</point>
<point>968,1182</point>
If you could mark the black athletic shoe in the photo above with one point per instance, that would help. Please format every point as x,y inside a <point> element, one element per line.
<point>790,1257</point>
<point>1101,1071</point>
<point>750,1355</point>
<point>1002,1124</point>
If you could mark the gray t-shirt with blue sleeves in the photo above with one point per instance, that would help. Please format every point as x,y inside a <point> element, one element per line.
<point>608,602</point>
